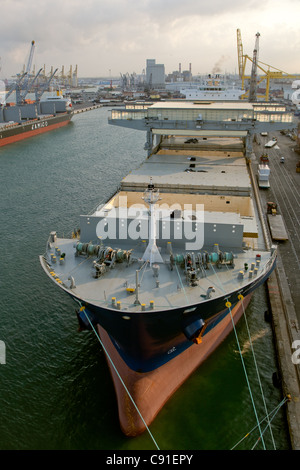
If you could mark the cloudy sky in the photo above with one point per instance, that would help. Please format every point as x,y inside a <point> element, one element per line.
<point>109,37</point>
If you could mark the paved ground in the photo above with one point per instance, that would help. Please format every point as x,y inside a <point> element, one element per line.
<point>284,284</point>
<point>285,191</point>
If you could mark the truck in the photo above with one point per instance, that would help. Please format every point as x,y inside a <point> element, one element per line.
<point>271,143</point>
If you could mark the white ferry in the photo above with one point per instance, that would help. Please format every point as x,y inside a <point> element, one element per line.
<point>212,87</point>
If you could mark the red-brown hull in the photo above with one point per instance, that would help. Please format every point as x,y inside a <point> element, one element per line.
<point>15,136</point>
<point>150,391</point>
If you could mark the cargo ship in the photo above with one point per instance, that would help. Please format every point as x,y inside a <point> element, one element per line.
<point>22,121</point>
<point>163,270</point>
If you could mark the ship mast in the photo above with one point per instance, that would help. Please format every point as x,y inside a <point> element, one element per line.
<point>152,254</point>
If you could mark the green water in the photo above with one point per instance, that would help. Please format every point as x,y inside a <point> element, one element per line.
<point>56,391</point>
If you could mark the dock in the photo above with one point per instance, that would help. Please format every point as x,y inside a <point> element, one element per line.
<point>87,108</point>
<point>286,331</point>
<point>77,109</point>
<point>283,292</point>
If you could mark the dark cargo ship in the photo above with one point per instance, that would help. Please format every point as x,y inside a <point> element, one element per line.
<point>20,122</point>
<point>163,283</point>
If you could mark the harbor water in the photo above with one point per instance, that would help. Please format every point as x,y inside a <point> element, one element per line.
<point>56,391</point>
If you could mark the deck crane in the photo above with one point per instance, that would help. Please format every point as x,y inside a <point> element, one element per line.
<point>41,90</point>
<point>29,63</point>
<point>16,86</point>
<point>265,68</point>
<point>23,82</point>
<point>30,57</point>
<point>29,86</point>
<point>23,79</point>
<point>253,80</point>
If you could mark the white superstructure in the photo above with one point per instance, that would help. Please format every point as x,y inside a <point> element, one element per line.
<point>212,88</point>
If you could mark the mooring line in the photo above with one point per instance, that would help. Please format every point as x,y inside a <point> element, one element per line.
<point>241,298</point>
<point>182,286</point>
<point>228,305</point>
<point>278,408</point>
<point>121,380</point>
<point>275,411</point>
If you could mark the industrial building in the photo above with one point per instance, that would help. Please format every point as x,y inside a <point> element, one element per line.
<point>155,74</point>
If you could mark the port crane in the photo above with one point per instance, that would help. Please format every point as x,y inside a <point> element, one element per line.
<point>253,79</point>
<point>29,62</point>
<point>22,82</point>
<point>28,88</point>
<point>16,86</point>
<point>268,74</point>
<point>28,68</point>
<point>41,89</point>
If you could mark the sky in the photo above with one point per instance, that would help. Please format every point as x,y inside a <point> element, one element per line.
<point>106,38</point>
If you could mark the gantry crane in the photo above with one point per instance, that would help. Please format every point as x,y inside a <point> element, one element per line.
<point>268,73</point>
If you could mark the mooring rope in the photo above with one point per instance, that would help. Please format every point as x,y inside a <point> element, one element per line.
<point>122,382</point>
<point>275,411</point>
<point>241,298</point>
<point>278,408</point>
<point>220,282</point>
<point>228,305</point>
<point>182,287</point>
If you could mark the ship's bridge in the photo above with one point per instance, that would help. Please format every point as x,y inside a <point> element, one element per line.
<point>203,119</point>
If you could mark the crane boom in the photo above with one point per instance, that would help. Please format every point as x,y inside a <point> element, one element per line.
<point>253,79</point>
<point>30,85</point>
<point>15,86</point>
<point>27,73</point>
<point>39,92</point>
<point>269,72</point>
<point>240,53</point>
<point>30,57</point>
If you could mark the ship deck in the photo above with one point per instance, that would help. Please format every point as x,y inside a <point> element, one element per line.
<point>200,169</point>
<point>218,182</point>
<point>170,289</point>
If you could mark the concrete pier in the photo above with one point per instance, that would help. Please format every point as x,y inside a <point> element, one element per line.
<point>87,108</point>
<point>286,331</point>
<point>82,108</point>
<point>284,298</point>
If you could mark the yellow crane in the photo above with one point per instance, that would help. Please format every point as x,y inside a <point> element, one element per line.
<point>269,73</point>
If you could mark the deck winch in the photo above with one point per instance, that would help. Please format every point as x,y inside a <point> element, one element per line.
<point>202,259</point>
<point>195,263</point>
<point>106,256</point>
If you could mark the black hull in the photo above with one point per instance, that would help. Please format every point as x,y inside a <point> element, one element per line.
<point>147,340</point>
<point>16,132</point>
